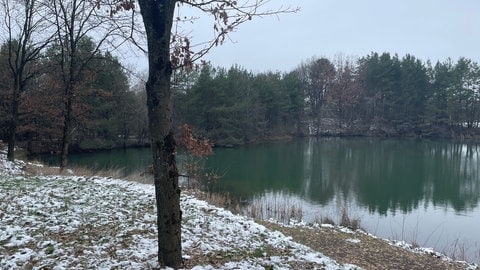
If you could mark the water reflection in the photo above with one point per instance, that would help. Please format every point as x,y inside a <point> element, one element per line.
<point>454,178</point>
<point>382,175</point>
<point>419,191</point>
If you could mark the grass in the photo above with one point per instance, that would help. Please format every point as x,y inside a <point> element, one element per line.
<point>36,168</point>
<point>346,220</point>
<point>65,216</point>
<point>277,206</point>
<point>327,220</point>
<point>461,252</point>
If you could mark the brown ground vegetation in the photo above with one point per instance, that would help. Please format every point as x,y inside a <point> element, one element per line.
<point>364,250</point>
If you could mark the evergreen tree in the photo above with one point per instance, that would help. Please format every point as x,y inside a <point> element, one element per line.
<point>296,102</point>
<point>411,101</point>
<point>437,106</point>
<point>105,105</point>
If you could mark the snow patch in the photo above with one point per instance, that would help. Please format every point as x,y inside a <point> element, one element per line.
<point>9,168</point>
<point>353,240</point>
<point>69,222</point>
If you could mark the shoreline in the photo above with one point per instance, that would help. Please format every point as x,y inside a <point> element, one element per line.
<point>344,246</point>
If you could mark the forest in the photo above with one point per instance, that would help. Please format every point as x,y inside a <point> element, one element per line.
<point>375,95</point>
<point>108,112</point>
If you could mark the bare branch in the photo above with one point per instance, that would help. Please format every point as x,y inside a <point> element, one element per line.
<point>227,16</point>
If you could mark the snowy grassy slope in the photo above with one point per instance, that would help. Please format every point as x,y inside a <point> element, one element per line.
<point>60,222</point>
<point>9,168</point>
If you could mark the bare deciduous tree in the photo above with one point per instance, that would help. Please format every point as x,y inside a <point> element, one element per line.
<point>75,21</point>
<point>166,52</point>
<point>317,76</point>
<point>26,35</point>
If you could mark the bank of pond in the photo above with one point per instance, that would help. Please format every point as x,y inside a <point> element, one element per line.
<point>418,190</point>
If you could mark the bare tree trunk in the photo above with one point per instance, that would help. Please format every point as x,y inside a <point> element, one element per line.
<point>158,17</point>
<point>67,128</point>
<point>13,120</point>
<point>69,93</point>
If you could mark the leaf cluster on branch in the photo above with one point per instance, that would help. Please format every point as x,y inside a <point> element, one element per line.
<point>198,147</point>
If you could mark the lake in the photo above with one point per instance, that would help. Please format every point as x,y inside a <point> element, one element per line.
<point>422,191</point>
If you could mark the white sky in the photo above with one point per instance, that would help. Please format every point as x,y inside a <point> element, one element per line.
<point>428,29</point>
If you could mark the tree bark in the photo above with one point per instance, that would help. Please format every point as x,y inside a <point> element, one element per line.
<point>69,93</point>
<point>158,17</point>
<point>13,119</point>
<point>67,126</point>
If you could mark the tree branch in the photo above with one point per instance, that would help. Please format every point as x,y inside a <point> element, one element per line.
<point>227,15</point>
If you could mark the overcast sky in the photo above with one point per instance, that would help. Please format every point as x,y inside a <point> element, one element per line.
<point>427,29</point>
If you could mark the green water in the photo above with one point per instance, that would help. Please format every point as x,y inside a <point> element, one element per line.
<point>421,191</point>
<point>382,175</point>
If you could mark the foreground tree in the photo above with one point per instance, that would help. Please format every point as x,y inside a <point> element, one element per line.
<point>165,53</point>
<point>26,37</point>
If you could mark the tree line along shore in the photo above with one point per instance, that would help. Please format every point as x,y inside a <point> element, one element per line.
<point>375,95</point>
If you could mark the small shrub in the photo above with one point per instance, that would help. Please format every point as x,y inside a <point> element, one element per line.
<point>258,253</point>
<point>49,249</point>
<point>348,222</point>
<point>268,267</point>
<point>327,220</point>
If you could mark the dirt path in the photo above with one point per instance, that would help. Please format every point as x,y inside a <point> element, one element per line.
<point>363,250</point>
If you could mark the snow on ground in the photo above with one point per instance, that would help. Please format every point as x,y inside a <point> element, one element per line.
<point>9,168</point>
<point>59,222</point>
